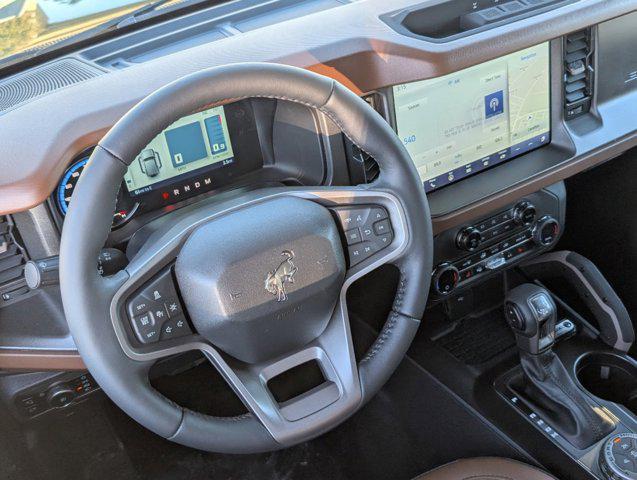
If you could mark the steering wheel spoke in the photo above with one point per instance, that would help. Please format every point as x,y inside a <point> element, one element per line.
<point>312,412</point>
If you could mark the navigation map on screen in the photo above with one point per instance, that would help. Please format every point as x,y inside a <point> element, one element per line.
<point>458,124</point>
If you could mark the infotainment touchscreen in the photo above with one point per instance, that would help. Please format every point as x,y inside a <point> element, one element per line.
<point>460,124</point>
<point>192,142</point>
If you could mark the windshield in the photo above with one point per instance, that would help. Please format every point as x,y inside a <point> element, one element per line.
<point>27,26</point>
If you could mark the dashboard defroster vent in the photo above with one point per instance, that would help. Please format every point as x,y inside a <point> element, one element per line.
<point>42,80</point>
<point>12,259</point>
<point>578,73</point>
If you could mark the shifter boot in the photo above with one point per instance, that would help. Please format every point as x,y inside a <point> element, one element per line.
<point>550,392</point>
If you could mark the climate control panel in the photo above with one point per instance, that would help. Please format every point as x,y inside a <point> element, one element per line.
<point>472,252</point>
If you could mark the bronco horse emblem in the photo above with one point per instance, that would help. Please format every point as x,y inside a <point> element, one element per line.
<point>284,273</point>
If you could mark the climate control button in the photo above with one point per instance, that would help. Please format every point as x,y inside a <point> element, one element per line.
<point>445,278</point>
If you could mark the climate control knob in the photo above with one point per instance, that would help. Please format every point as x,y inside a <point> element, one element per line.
<point>445,278</point>
<point>546,231</point>
<point>469,239</point>
<point>524,213</point>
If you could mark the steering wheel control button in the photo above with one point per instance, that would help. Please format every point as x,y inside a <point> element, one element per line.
<point>353,236</point>
<point>146,328</point>
<point>176,327</point>
<point>154,306</point>
<point>618,457</point>
<point>382,227</point>
<point>367,230</point>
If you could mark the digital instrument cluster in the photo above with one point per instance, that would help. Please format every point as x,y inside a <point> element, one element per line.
<point>195,154</point>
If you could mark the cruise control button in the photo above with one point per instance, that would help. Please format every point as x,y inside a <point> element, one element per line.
<point>160,288</point>
<point>353,236</point>
<point>146,328</point>
<point>382,227</point>
<point>138,305</point>
<point>173,307</point>
<point>176,327</point>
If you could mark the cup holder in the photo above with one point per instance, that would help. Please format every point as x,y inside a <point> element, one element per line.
<point>610,377</point>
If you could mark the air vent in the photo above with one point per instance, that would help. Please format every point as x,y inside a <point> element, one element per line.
<point>578,73</point>
<point>12,260</point>
<point>45,79</point>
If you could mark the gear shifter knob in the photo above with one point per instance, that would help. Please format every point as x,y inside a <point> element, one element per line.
<point>531,312</point>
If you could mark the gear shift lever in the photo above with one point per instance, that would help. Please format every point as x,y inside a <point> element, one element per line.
<point>548,388</point>
<point>531,312</point>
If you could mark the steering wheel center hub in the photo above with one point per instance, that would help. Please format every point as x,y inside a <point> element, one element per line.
<point>264,280</point>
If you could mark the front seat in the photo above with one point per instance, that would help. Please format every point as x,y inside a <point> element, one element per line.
<point>485,469</point>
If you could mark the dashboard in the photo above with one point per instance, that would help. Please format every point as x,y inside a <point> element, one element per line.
<point>494,117</point>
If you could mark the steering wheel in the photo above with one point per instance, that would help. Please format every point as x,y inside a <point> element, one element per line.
<point>259,279</point>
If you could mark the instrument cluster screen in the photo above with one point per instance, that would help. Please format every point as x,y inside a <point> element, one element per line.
<point>191,143</point>
<point>460,124</point>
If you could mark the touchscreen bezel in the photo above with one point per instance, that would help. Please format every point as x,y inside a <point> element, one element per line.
<point>390,113</point>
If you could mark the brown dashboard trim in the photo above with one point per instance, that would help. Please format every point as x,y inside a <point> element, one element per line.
<point>41,360</point>
<point>354,46</point>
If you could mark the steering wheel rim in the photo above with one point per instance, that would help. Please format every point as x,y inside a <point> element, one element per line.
<point>90,299</point>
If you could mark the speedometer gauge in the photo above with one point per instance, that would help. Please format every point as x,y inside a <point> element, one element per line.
<point>125,207</point>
